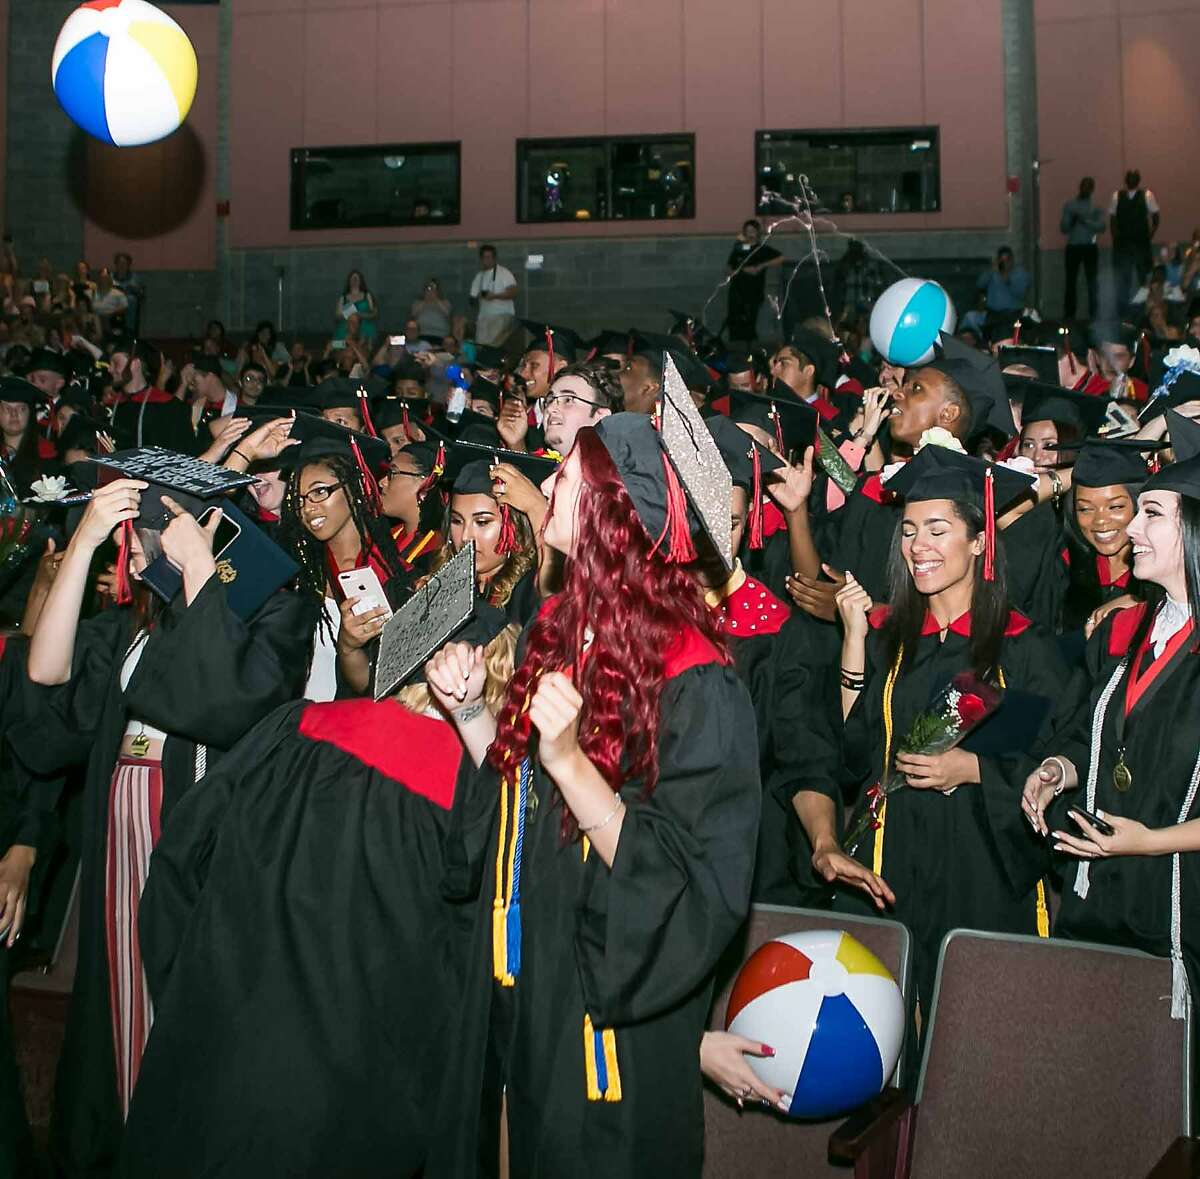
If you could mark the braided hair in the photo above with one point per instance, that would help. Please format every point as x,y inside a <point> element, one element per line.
<point>310,553</point>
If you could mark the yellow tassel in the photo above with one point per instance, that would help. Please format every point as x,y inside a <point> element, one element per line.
<point>586,845</point>
<point>499,936</point>
<point>613,1092</point>
<point>589,1059</point>
<point>1043,914</point>
<point>889,687</point>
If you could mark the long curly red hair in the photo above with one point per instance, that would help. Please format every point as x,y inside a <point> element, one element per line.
<point>636,605</point>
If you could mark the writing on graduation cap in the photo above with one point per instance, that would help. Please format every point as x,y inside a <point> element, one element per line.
<point>190,475</point>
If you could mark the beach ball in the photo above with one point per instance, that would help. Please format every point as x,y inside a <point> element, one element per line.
<point>906,319</point>
<point>124,71</point>
<point>830,1009</point>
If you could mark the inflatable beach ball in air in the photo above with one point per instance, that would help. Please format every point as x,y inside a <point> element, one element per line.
<point>124,71</point>
<point>906,319</point>
<point>832,1012</point>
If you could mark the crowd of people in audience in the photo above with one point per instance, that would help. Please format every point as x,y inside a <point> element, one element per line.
<point>362,893</point>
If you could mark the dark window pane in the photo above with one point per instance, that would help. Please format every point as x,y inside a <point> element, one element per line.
<point>642,178</point>
<point>393,184</point>
<point>892,170</point>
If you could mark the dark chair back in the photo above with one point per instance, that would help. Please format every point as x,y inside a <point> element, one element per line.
<point>1048,1058</point>
<point>756,1141</point>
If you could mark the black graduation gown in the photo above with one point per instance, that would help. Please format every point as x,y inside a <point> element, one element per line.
<point>968,858</point>
<point>162,422</point>
<point>205,676</point>
<point>635,947</point>
<point>296,948</point>
<point>1129,897</point>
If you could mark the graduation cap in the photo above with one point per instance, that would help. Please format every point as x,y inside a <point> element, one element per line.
<point>407,368</point>
<point>1183,475</point>
<point>320,439</point>
<point>936,472</point>
<point>697,461</point>
<point>204,363</point>
<point>43,360</point>
<point>821,351</point>
<point>746,461</point>
<point>743,362</point>
<point>552,339</point>
<point>610,343</point>
<point>1181,386</point>
<point>978,376</point>
<point>426,621</point>
<point>17,389</point>
<point>792,422</point>
<point>462,452</point>
<point>1107,462</point>
<point>653,346</point>
<point>484,355</point>
<point>1043,359</point>
<point>482,389</point>
<point>79,433</point>
<point>1052,403</point>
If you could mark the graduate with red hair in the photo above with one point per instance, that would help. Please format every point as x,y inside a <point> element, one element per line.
<point>605,842</point>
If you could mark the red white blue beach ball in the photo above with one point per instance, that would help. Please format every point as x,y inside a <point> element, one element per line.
<point>906,319</point>
<point>830,1009</point>
<point>124,71</point>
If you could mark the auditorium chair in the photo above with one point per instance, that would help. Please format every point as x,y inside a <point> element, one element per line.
<point>1044,1059</point>
<point>756,1140</point>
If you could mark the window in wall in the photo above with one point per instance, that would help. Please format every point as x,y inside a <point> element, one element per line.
<point>887,170</point>
<point>613,178</point>
<point>393,184</point>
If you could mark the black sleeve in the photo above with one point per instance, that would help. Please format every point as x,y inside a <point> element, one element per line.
<point>208,675</point>
<point>651,929</point>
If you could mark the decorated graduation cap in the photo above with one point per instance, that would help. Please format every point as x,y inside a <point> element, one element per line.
<point>1183,475</point>
<point>17,389</point>
<point>552,339</point>
<point>1052,403</point>
<point>792,422</point>
<point>979,377</point>
<point>191,482</point>
<point>821,351</point>
<point>1107,462</point>
<point>746,462</point>
<point>937,472</point>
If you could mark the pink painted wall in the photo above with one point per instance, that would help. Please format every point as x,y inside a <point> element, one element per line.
<point>487,72</point>
<point>158,202</point>
<point>1118,88</point>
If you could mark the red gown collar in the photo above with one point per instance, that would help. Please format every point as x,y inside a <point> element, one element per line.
<point>1017,623</point>
<point>750,610</point>
<point>419,752</point>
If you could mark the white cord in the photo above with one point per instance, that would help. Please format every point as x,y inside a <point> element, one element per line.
<point>1082,876</point>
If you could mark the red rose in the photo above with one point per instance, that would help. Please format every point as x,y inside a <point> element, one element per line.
<point>971,709</point>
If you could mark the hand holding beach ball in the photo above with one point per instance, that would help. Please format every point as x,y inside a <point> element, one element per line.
<point>906,319</point>
<point>124,71</point>
<point>830,1009</point>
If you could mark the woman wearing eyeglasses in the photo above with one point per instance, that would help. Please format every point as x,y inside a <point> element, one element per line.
<point>413,504</point>
<point>330,525</point>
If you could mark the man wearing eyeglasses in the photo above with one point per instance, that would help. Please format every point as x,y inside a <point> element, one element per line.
<point>572,403</point>
<point>251,383</point>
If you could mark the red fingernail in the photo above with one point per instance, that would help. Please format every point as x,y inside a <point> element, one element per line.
<point>767,1050</point>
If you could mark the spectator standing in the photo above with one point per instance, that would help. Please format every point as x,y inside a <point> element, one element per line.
<point>492,292</point>
<point>108,302</point>
<point>432,312</point>
<point>1081,221</point>
<point>748,262</point>
<point>356,300</point>
<point>132,287</point>
<point>1005,285</point>
<point>1133,217</point>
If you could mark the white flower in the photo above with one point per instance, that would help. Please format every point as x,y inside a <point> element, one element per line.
<point>1185,356</point>
<point>1022,465</point>
<point>940,436</point>
<point>49,489</point>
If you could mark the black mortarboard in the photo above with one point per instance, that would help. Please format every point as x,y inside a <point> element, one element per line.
<point>43,360</point>
<point>1110,332</point>
<point>937,472</point>
<point>1181,387</point>
<point>1183,475</point>
<point>792,422</point>
<point>1043,359</point>
<point>978,376</point>
<point>189,481</point>
<point>738,451</point>
<point>79,434</point>
<point>461,452</point>
<point>474,478</point>
<point>285,397</point>
<point>397,411</point>
<point>1107,462</point>
<point>821,351</point>
<point>204,363</point>
<point>610,342</point>
<point>549,337</point>
<point>484,355</point>
<point>742,362</point>
<point>338,393</point>
<point>18,390</point>
<point>484,390</point>
<point>76,396</point>
<point>407,368</point>
<point>1053,403</point>
<point>425,455</point>
<point>320,438</point>
<point>692,369</point>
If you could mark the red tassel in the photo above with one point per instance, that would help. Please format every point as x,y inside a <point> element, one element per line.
<point>550,354</point>
<point>370,487</point>
<point>1144,348</point>
<point>404,421</point>
<point>365,412</point>
<point>756,502</point>
<point>778,421</point>
<point>439,467</point>
<point>508,532</point>
<point>680,549</point>
<point>989,526</point>
<point>124,590</point>
<point>1017,332</point>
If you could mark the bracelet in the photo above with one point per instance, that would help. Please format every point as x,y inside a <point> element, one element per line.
<point>241,455</point>
<point>1062,769</point>
<point>853,681</point>
<point>606,820</point>
<point>1055,487</point>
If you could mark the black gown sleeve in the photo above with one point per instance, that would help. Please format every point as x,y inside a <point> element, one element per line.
<point>208,675</point>
<point>651,929</point>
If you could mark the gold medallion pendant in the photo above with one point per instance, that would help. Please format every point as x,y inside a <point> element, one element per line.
<point>1122,775</point>
<point>140,745</point>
